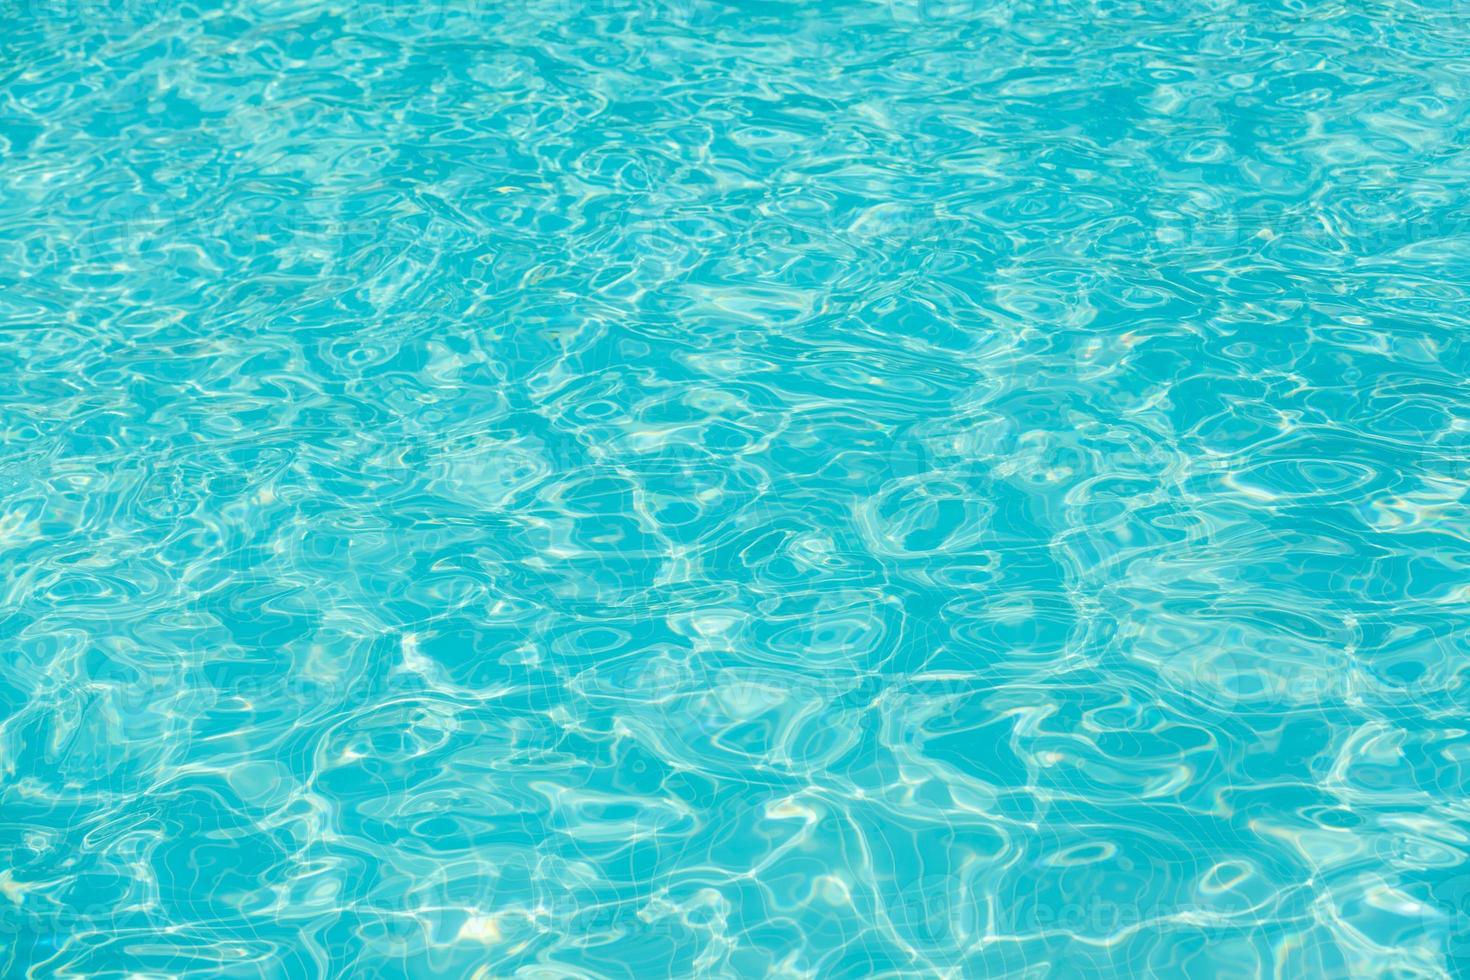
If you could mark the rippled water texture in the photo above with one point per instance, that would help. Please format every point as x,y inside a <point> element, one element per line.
<point>674,488</point>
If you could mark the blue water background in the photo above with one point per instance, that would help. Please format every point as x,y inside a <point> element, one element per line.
<point>675,488</point>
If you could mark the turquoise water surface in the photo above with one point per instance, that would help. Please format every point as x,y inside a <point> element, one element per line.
<point>677,488</point>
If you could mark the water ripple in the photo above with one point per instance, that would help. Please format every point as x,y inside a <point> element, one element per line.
<point>677,488</point>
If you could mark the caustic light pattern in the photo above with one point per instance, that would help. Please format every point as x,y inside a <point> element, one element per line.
<point>687,488</point>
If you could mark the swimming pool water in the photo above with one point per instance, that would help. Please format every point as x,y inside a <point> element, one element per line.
<point>677,488</point>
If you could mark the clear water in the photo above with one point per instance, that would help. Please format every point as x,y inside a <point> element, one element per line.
<point>693,489</point>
